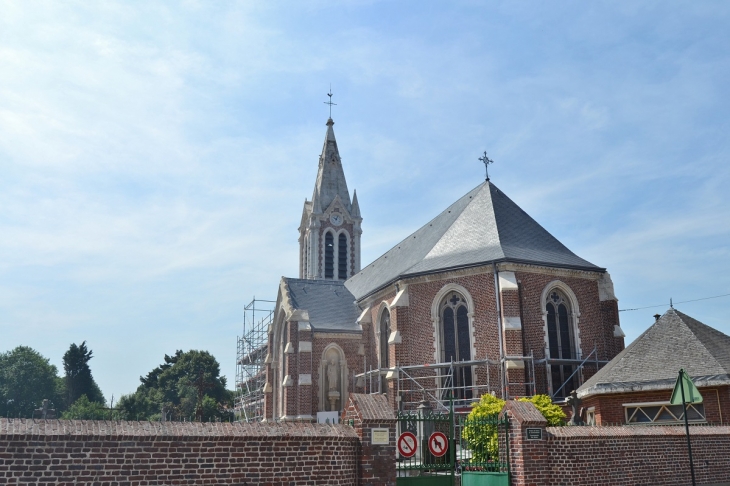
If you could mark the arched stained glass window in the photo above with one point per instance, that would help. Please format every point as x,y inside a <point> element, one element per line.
<point>561,343</point>
<point>329,256</point>
<point>342,257</point>
<point>456,342</point>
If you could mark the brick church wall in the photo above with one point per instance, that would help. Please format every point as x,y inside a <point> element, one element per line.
<point>622,456</point>
<point>61,452</point>
<point>596,322</point>
<point>419,331</point>
<point>595,325</point>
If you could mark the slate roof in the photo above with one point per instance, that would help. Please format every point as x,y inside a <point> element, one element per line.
<point>329,304</point>
<point>653,360</point>
<point>330,175</point>
<point>482,227</point>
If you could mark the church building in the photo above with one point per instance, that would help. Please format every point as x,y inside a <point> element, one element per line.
<point>481,299</point>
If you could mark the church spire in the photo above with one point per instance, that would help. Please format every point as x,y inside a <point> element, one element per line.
<point>330,175</point>
<point>330,229</point>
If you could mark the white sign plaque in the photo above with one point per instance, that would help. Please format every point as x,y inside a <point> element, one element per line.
<point>380,436</point>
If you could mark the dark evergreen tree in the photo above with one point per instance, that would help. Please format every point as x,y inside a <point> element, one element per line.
<point>78,380</point>
<point>186,386</point>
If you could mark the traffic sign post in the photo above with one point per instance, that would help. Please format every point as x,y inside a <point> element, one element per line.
<point>407,444</point>
<point>686,392</point>
<point>438,444</point>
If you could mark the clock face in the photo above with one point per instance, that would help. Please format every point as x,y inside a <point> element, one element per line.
<point>336,219</point>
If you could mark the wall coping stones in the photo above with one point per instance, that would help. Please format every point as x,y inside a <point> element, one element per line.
<point>622,431</point>
<point>16,428</point>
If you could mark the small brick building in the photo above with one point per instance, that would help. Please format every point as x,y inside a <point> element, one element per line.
<point>480,299</point>
<point>635,387</point>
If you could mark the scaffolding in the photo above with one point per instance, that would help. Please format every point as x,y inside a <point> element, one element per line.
<point>250,356</point>
<point>465,382</point>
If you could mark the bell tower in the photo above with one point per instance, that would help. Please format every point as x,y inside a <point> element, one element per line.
<point>329,233</point>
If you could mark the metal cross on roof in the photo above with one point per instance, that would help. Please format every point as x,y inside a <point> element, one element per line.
<point>486,160</point>
<point>330,101</point>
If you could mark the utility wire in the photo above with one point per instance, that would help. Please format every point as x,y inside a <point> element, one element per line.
<point>683,302</point>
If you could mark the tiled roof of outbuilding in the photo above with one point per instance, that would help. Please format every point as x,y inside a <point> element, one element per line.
<point>329,304</point>
<point>653,360</point>
<point>483,226</point>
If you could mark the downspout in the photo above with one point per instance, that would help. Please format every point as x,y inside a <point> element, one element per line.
<point>524,343</point>
<point>499,328</point>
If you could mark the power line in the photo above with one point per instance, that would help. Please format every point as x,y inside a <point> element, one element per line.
<point>683,302</point>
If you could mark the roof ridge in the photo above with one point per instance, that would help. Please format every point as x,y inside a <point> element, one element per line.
<point>711,339</point>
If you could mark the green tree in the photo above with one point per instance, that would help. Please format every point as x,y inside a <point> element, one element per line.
<point>84,409</point>
<point>186,386</point>
<point>78,380</point>
<point>26,378</point>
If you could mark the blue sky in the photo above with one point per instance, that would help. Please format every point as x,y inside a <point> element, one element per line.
<point>155,156</point>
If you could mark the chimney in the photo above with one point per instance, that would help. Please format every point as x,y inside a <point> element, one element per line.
<point>656,317</point>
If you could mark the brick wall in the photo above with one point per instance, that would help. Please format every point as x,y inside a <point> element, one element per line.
<point>620,455</point>
<point>609,408</point>
<point>66,452</point>
<point>61,452</point>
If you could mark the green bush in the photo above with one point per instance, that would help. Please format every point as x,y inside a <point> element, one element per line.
<point>480,431</point>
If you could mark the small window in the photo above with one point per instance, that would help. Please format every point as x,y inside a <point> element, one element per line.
<point>329,256</point>
<point>342,257</point>
<point>663,413</point>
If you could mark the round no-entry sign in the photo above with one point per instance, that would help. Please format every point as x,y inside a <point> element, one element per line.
<point>438,444</point>
<point>407,444</point>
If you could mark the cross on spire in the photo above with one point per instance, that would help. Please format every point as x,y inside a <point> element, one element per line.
<point>330,101</point>
<point>486,161</point>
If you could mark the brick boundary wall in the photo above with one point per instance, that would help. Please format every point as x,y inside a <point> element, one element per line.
<point>628,455</point>
<point>66,452</point>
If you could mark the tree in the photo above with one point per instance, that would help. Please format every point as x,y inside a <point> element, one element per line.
<point>84,409</point>
<point>78,380</point>
<point>480,430</point>
<point>186,386</point>
<point>26,378</point>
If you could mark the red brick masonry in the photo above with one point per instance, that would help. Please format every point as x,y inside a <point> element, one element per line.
<point>63,452</point>
<point>623,455</point>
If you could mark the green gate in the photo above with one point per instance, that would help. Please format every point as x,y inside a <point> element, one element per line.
<point>416,465</point>
<point>482,450</point>
<point>462,446</point>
